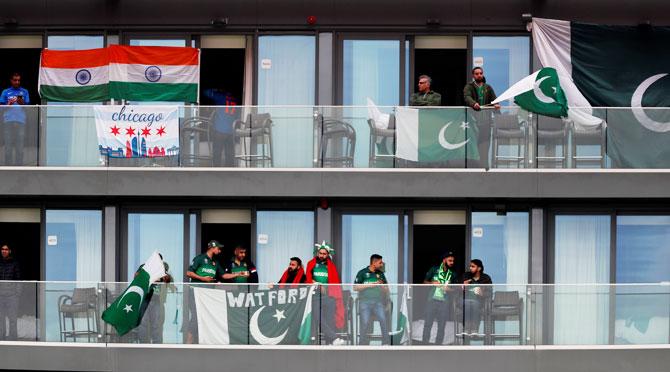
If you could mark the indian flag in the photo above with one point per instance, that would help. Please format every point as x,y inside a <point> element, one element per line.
<point>154,73</point>
<point>74,76</point>
<point>435,134</point>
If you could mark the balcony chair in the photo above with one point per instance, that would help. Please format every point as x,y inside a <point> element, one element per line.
<point>508,130</point>
<point>382,144</point>
<point>254,137</point>
<point>83,304</point>
<point>196,145</point>
<point>551,133</point>
<point>337,144</point>
<point>588,136</point>
<point>506,304</point>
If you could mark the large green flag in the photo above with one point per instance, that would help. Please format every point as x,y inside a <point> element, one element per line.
<point>243,314</point>
<point>540,93</point>
<point>616,66</point>
<point>434,135</point>
<point>127,310</point>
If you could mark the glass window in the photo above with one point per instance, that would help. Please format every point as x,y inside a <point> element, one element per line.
<point>148,232</point>
<point>287,76</point>
<point>582,257</point>
<point>158,42</point>
<point>280,236</point>
<point>501,242</point>
<point>73,245</point>
<point>364,235</point>
<point>505,59</point>
<point>71,138</point>
<point>642,257</point>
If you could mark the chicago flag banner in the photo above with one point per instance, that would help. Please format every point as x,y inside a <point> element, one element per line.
<point>434,135</point>
<point>244,315</point>
<point>137,131</point>
<point>615,66</point>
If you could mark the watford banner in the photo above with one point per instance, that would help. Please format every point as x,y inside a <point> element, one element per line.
<point>245,316</point>
<point>615,66</point>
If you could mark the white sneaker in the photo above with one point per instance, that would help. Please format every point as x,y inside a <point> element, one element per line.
<point>339,342</point>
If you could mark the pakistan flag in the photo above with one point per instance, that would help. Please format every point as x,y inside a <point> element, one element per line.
<point>244,315</point>
<point>125,313</point>
<point>540,93</point>
<point>624,68</point>
<point>435,134</point>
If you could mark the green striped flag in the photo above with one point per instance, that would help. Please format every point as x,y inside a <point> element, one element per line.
<point>402,334</point>
<point>154,73</point>
<point>74,75</point>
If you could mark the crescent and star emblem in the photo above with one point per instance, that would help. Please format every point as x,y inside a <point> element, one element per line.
<point>258,335</point>
<point>133,289</point>
<point>638,111</point>
<point>448,145</point>
<point>539,94</point>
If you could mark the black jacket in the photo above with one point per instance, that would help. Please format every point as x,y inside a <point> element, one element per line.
<point>9,270</point>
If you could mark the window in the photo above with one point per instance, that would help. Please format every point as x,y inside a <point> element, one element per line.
<point>582,257</point>
<point>505,59</point>
<point>364,235</point>
<point>642,257</point>
<point>280,236</point>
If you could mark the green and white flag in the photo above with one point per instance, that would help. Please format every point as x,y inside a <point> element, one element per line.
<point>402,335</point>
<point>434,134</point>
<point>127,310</point>
<point>540,93</point>
<point>615,66</point>
<point>242,315</point>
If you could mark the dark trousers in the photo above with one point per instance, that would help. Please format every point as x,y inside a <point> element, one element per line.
<point>472,311</point>
<point>482,120</point>
<point>440,311</point>
<point>150,330</point>
<point>366,310</point>
<point>14,134</point>
<point>223,143</point>
<point>325,305</point>
<point>9,308</point>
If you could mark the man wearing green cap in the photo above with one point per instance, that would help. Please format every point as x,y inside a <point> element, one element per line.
<point>203,269</point>
<point>439,304</point>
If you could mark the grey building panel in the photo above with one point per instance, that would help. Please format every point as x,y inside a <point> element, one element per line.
<point>358,183</point>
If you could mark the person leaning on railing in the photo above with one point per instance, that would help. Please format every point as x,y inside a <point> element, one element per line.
<point>425,96</point>
<point>475,295</point>
<point>476,95</point>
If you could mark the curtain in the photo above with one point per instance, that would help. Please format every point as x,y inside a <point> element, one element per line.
<point>582,255</point>
<point>88,241</point>
<point>280,236</point>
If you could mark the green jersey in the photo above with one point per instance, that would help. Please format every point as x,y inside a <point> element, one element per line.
<point>430,98</point>
<point>365,276</point>
<point>234,267</point>
<point>204,266</point>
<point>439,274</point>
<point>320,273</point>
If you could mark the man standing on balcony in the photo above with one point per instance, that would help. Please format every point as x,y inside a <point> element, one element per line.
<point>239,269</point>
<point>203,269</point>
<point>476,95</point>
<point>439,302</point>
<point>373,296</point>
<point>425,96</point>
<point>15,120</point>
<point>294,274</point>
<point>10,293</point>
<point>475,295</point>
<point>329,305</point>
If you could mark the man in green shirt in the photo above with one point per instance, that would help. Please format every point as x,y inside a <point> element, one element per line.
<point>439,304</point>
<point>239,269</point>
<point>372,298</point>
<point>425,96</point>
<point>476,95</point>
<point>203,269</point>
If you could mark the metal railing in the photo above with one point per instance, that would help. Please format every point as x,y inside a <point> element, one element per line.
<point>346,137</point>
<point>396,314</point>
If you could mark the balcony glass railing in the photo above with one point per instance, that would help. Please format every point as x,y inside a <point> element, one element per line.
<point>340,137</point>
<point>223,314</point>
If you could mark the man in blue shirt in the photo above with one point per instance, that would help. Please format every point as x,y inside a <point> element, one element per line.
<point>14,120</point>
<point>223,119</point>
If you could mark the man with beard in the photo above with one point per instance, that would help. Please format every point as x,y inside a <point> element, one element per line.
<point>372,298</point>
<point>294,274</point>
<point>476,295</point>
<point>440,297</point>
<point>240,269</point>
<point>478,94</point>
<point>203,269</point>
<point>321,269</point>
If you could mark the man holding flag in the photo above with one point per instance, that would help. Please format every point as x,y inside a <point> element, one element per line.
<point>126,312</point>
<point>476,95</point>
